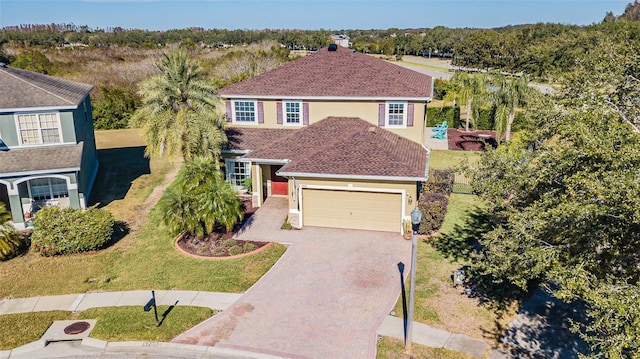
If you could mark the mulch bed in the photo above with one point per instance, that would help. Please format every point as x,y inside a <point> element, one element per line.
<point>461,140</point>
<point>218,243</point>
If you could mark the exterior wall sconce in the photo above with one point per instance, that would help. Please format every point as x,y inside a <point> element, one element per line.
<point>409,199</point>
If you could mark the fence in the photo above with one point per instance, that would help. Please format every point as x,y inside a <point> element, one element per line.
<point>458,182</point>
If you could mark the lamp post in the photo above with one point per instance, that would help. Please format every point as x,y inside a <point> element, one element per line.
<point>416,216</point>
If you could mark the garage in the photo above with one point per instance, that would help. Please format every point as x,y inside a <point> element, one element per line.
<point>376,211</point>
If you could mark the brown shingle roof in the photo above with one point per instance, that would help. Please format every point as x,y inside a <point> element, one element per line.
<point>47,159</point>
<point>341,73</point>
<point>246,139</point>
<point>22,89</point>
<point>346,147</point>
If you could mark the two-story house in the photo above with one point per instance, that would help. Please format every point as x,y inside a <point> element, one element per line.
<point>47,146</point>
<point>339,133</point>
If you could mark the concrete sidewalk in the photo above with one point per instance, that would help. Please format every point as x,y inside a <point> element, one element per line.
<point>391,327</point>
<point>79,302</point>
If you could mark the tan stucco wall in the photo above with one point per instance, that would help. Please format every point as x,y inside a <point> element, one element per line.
<point>410,189</point>
<point>366,110</point>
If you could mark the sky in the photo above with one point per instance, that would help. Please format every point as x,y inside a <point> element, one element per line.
<point>304,14</point>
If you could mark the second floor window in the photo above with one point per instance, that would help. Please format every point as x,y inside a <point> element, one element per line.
<point>396,114</point>
<point>292,113</point>
<point>244,111</point>
<point>35,129</point>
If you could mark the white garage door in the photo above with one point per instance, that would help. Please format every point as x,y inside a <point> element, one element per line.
<point>352,209</point>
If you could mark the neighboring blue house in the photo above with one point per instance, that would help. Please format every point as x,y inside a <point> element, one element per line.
<point>47,146</point>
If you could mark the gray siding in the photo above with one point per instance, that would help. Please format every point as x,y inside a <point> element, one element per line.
<point>8,131</point>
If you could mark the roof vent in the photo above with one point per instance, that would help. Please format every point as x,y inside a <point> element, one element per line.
<point>333,47</point>
<point>372,129</point>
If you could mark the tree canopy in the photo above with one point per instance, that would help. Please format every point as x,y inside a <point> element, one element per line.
<point>180,112</point>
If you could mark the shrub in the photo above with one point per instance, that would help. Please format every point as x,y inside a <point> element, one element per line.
<point>433,207</point>
<point>485,120</point>
<point>440,181</point>
<point>235,250</point>
<point>199,200</point>
<point>10,242</point>
<point>71,230</point>
<point>218,251</point>
<point>435,116</point>
<point>249,247</point>
<point>228,243</point>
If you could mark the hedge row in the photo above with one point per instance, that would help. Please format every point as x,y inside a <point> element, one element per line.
<point>70,230</point>
<point>485,120</point>
<point>434,199</point>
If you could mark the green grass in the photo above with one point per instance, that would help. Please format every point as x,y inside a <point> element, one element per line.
<point>134,324</point>
<point>20,329</point>
<point>145,258</point>
<point>392,348</point>
<point>426,67</point>
<point>438,303</point>
<point>113,324</point>
<point>443,159</point>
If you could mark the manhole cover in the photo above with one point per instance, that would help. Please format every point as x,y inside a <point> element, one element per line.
<point>76,328</point>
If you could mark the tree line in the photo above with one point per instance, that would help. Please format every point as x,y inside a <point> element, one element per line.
<point>545,51</point>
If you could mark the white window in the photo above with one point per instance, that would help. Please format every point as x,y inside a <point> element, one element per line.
<point>396,114</point>
<point>245,111</point>
<point>293,113</point>
<point>237,172</point>
<point>35,129</point>
<point>48,188</point>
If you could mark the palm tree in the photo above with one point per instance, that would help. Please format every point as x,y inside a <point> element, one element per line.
<point>181,113</point>
<point>510,96</point>
<point>469,88</point>
<point>199,200</point>
<point>9,239</point>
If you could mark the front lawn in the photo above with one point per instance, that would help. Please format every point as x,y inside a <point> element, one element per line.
<point>391,348</point>
<point>113,324</point>
<point>438,303</point>
<point>145,258</point>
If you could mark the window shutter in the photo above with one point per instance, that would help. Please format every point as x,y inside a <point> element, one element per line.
<point>410,115</point>
<point>279,112</point>
<point>305,113</point>
<point>228,111</point>
<point>260,112</point>
<point>381,114</point>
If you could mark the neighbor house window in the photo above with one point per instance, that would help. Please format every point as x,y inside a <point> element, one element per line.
<point>292,113</point>
<point>48,188</point>
<point>396,114</point>
<point>238,172</point>
<point>35,129</point>
<point>244,111</point>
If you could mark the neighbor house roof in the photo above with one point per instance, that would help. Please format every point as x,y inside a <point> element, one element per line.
<point>342,73</point>
<point>41,159</point>
<point>345,147</point>
<point>24,90</point>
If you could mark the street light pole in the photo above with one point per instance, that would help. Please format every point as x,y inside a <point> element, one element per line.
<point>416,216</point>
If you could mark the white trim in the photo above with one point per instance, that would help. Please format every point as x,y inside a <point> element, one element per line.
<point>327,98</point>
<point>54,108</point>
<point>39,128</point>
<point>237,152</point>
<point>350,188</point>
<point>404,114</point>
<point>43,172</point>
<point>267,161</point>
<point>340,176</point>
<point>43,145</point>
<point>229,168</point>
<point>255,112</point>
<point>300,113</point>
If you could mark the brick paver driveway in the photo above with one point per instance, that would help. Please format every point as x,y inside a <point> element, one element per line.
<point>325,298</point>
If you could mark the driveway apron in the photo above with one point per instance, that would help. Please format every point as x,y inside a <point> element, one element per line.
<point>325,298</point>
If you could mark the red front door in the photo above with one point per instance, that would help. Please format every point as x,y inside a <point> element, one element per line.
<point>279,185</point>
